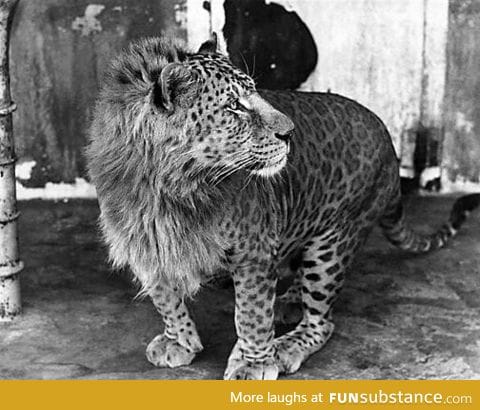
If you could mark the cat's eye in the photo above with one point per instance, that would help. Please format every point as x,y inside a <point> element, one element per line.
<point>234,105</point>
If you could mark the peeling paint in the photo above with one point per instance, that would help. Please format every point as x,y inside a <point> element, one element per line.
<point>56,71</point>
<point>201,19</point>
<point>361,63</point>
<point>462,124</point>
<point>197,23</point>
<point>79,189</point>
<point>10,297</point>
<point>289,5</point>
<point>218,23</point>
<point>429,174</point>
<point>89,23</point>
<point>461,184</point>
<point>181,15</point>
<point>23,170</point>
<point>406,172</point>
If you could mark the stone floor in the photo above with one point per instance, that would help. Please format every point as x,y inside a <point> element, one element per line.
<point>400,316</point>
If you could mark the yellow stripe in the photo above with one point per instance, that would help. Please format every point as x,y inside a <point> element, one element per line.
<point>213,395</point>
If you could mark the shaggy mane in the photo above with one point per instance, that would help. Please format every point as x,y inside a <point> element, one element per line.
<point>155,215</point>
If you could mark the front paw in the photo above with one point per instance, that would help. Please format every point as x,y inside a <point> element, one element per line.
<point>243,370</point>
<point>238,368</point>
<point>165,352</point>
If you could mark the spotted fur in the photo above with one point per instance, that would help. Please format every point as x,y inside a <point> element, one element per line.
<point>199,174</point>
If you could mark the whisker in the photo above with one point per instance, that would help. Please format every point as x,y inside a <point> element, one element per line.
<point>254,66</point>
<point>245,63</point>
<point>246,160</point>
<point>239,165</point>
<point>247,180</point>
<point>218,172</point>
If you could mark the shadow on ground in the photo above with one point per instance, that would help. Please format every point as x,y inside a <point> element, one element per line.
<point>400,316</point>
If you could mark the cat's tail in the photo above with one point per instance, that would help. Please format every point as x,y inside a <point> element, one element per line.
<point>401,235</point>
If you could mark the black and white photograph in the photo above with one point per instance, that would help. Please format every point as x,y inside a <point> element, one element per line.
<point>239,189</point>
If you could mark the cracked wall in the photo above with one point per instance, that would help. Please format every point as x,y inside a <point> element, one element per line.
<point>461,151</point>
<point>413,62</point>
<point>59,50</point>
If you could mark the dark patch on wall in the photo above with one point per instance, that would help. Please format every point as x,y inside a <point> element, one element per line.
<point>427,154</point>
<point>273,45</point>
<point>56,70</point>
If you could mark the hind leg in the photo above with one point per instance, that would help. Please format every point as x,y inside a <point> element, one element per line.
<point>325,259</point>
<point>179,342</point>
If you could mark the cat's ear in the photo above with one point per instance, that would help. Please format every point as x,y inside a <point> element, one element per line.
<point>176,86</point>
<point>210,46</point>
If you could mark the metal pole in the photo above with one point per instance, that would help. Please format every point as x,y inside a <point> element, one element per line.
<point>10,263</point>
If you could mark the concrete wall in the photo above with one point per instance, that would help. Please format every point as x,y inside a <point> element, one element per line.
<point>461,153</point>
<point>390,56</point>
<point>59,49</point>
<point>413,62</point>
